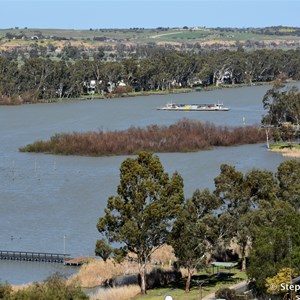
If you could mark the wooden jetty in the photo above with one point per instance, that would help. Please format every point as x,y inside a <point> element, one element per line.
<point>33,256</point>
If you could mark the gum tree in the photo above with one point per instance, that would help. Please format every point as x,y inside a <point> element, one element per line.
<point>194,233</point>
<point>139,218</point>
<point>240,195</point>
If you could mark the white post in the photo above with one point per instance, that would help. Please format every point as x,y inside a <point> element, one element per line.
<point>64,244</point>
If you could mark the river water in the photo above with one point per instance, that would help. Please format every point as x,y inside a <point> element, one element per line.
<point>52,203</point>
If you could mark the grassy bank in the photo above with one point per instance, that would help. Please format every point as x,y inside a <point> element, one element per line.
<point>176,290</point>
<point>212,284</point>
<point>96,272</point>
<point>287,149</point>
<point>184,136</point>
<point>283,146</point>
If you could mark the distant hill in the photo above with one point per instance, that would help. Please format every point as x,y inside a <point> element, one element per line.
<point>177,38</point>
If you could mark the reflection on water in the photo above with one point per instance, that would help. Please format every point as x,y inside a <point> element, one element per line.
<point>52,203</point>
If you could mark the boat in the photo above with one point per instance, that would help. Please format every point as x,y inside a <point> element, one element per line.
<point>194,107</point>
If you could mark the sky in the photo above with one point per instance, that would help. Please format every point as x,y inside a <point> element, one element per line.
<point>96,14</point>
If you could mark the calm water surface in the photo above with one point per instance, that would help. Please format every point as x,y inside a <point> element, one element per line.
<point>52,203</point>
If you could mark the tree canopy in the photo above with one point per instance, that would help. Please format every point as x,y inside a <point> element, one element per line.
<point>282,105</point>
<point>194,234</point>
<point>258,210</point>
<point>39,77</point>
<point>140,217</point>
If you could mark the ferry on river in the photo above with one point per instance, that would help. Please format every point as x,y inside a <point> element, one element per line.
<point>194,107</point>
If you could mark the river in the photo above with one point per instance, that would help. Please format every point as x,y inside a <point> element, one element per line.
<point>52,203</point>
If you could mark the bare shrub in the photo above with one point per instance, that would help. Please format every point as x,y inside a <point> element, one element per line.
<point>185,135</point>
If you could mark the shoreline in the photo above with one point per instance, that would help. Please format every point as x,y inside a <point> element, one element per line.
<point>294,153</point>
<point>145,93</point>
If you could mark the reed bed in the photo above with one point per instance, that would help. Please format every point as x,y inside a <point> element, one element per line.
<point>184,136</point>
<point>163,256</point>
<point>97,272</point>
<point>121,293</point>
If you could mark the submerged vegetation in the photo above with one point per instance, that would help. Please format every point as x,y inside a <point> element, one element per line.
<point>183,136</point>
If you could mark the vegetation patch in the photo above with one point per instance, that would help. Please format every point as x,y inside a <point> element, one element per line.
<point>120,293</point>
<point>55,287</point>
<point>185,135</point>
<point>280,146</point>
<point>212,284</point>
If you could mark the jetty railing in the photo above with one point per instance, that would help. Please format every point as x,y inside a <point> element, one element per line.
<point>33,256</point>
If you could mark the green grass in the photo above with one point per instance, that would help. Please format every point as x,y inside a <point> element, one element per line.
<point>285,145</point>
<point>144,35</point>
<point>213,284</point>
<point>154,92</point>
<point>213,35</point>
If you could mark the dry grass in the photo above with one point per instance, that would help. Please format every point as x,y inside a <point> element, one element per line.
<point>16,288</point>
<point>295,153</point>
<point>120,293</point>
<point>164,256</point>
<point>96,272</point>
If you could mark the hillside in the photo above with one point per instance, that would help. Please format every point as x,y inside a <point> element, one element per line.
<point>179,38</point>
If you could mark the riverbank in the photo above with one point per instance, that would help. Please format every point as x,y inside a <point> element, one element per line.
<point>18,100</point>
<point>287,149</point>
<point>292,153</point>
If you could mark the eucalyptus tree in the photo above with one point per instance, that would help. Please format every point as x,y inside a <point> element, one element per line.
<point>70,52</point>
<point>240,195</point>
<point>81,73</point>
<point>194,233</point>
<point>288,176</point>
<point>61,79</point>
<point>226,67</point>
<point>112,72</point>
<point>140,217</point>
<point>36,76</point>
<point>9,75</point>
<point>230,67</point>
<point>277,241</point>
<point>148,68</point>
<point>180,67</point>
<point>282,105</point>
<point>130,69</point>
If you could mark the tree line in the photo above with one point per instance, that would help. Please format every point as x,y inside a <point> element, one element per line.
<point>38,78</point>
<point>258,210</point>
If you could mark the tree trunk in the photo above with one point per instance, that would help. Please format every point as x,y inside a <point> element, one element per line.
<point>267,136</point>
<point>143,280</point>
<point>188,281</point>
<point>244,257</point>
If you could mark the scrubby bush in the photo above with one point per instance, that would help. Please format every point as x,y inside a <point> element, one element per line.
<point>159,278</point>
<point>5,290</point>
<point>54,288</point>
<point>226,294</point>
<point>185,135</point>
